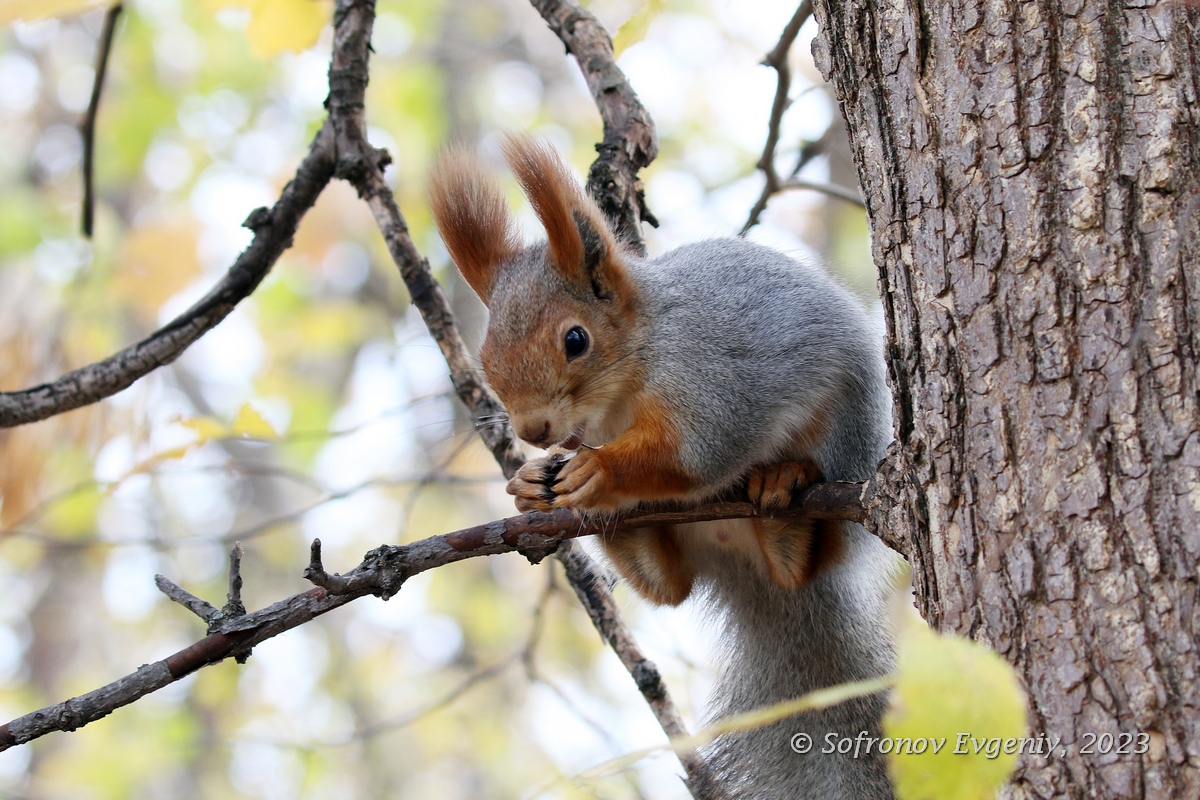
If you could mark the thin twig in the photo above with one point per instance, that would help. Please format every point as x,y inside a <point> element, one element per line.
<point>233,600</point>
<point>233,608</point>
<point>778,60</point>
<point>362,165</point>
<point>201,608</point>
<point>630,143</point>
<point>831,189</point>
<point>88,128</point>
<point>249,532</point>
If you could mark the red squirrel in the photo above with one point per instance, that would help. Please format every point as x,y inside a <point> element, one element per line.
<point>681,377</point>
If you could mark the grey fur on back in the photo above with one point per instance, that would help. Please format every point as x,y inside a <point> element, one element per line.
<point>793,348</point>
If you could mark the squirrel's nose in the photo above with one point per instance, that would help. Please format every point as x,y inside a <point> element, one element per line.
<point>535,433</point>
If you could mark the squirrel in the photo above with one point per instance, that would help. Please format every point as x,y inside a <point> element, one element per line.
<point>718,365</point>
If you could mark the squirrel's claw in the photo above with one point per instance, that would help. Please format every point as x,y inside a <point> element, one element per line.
<point>583,483</point>
<point>562,480</point>
<point>771,486</point>
<point>531,486</point>
<point>535,484</point>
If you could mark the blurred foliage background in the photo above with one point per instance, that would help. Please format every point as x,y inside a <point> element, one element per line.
<point>321,407</point>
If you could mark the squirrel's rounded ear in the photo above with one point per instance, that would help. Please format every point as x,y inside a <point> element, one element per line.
<point>582,247</point>
<point>473,218</point>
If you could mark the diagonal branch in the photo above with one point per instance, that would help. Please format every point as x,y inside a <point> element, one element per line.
<point>630,141</point>
<point>362,165</point>
<point>273,231</point>
<point>830,189</point>
<point>596,596</point>
<point>382,573</point>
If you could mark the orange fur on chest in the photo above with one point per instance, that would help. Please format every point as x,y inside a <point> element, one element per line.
<point>643,462</point>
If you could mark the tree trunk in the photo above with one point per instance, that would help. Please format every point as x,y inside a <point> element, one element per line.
<point>1032,173</point>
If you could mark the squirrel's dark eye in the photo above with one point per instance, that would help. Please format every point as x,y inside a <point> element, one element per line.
<point>575,342</point>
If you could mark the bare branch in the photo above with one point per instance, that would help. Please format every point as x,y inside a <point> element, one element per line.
<point>201,608</point>
<point>596,596</point>
<point>630,141</point>
<point>315,572</point>
<point>382,573</point>
<point>778,60</point>
<point>273,231</point>
<point>88,128</point>
<point>233,602</point>
<point>237,635</point>
<point>362,165</point>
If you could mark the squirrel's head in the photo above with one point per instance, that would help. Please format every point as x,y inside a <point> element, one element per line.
<point>561,342</point>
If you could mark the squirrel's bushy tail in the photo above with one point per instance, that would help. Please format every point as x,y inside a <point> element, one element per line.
<point>780,644</point>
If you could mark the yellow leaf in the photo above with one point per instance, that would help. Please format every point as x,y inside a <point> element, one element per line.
<point>956,720</point>
<point>250,424</point>
<point>633,30</point>
<point>206,428</point>
<point>166,455</point>
<point>39,9</point>
<point>330,325</point>
<point>285,25</point>
<point>172,454</point>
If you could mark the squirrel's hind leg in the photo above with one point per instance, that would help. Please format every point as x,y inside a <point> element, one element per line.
<point>653,562</point>
<point>796,551</point>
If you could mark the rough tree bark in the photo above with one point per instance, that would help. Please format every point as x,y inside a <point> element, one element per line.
<point>1032,172</point>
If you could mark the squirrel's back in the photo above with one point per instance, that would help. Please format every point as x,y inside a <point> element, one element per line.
<point>753,345</point>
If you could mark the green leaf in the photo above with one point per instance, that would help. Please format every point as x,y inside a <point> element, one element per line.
<point>75,515</point>
<point>633,30</point>
<point>964,702</point>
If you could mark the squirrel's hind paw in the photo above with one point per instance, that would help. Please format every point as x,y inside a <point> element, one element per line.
<point>770,486</point>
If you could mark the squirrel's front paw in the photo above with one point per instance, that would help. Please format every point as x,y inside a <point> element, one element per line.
<point>771,485</point>
<point>563,479</point>
<point>533,485</point>
<point>584,483</point>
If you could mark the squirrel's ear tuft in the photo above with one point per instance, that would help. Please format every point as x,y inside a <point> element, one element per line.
<point>582,247</point>
<point>473,218</point>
